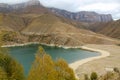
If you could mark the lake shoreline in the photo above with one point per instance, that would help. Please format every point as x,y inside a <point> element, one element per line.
<point>103,65</point>
<point>75,64</point>
<point>103,54</point>
<point>52,45</point>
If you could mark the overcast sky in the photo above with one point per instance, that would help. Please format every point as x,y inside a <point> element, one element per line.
<point>100,6</point>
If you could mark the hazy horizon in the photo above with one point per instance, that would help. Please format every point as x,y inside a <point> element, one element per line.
<point>102,7</point>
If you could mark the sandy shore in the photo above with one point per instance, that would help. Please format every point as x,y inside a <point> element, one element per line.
<point>76,64</point>
<point>100,65</point>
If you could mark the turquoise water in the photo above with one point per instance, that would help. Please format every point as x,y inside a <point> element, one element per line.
<point>26,54</point>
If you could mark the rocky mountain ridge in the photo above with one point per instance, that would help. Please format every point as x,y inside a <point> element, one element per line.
<point>19,5</point>
<point>83,16</point>
<point>26,4</point>
<point>22,7</point>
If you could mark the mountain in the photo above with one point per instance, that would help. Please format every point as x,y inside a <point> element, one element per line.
<point>21,5</point>
<point>33,3</point>
<point>31,6</point>
<point>111,29</point>
<point>35,23</point>
<point>50,29</point>
<point>83,16</point>
<point>36,7</point>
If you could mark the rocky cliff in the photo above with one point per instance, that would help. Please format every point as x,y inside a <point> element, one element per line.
<point>83,16</point>
<point>31,6</point>
<point>5,8</point>
<point>26,4</point>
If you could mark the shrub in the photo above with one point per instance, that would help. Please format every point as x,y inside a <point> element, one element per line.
<point>10,68</point>
<point>116,70</point>
<point>44,68</point>
<point>93,76</point>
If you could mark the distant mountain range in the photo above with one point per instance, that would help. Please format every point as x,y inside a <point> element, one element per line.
<point>38,23</point>
<point>83,16</point>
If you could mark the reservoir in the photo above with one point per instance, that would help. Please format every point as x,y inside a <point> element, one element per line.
<point>26,54</point>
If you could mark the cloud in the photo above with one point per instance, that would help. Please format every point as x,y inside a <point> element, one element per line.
<point>61,4</point>
<point>100,6</point>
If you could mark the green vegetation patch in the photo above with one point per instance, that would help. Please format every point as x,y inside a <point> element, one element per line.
<point>44,68</point>
<point>10,69</point>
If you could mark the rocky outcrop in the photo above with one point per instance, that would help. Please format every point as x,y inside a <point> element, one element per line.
<point>2,5</point>
<point>31,5</point>
<point>83,16</point>
<point>5,8</point>
<point>26,4</point>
